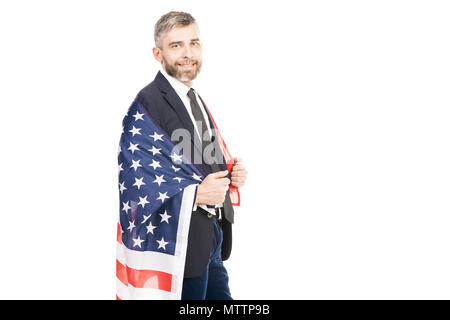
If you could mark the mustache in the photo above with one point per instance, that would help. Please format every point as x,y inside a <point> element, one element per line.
<point>188,62</point>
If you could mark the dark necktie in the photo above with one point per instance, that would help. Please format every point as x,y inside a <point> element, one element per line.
<point>205,136</point>
<point>198,116</point>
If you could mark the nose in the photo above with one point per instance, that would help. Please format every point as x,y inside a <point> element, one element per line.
<point>188,51</point>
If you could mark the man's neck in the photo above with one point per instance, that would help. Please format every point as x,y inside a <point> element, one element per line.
<point>186,83</point>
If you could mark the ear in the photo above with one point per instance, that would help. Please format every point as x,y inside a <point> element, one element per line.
<point>157,54</point>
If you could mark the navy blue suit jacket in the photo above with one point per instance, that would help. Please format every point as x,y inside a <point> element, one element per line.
<point>168,111</point>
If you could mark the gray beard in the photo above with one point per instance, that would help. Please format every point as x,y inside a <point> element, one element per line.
<point>189,75</point>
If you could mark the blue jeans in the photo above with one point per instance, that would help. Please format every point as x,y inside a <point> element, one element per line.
<point>213,283</point>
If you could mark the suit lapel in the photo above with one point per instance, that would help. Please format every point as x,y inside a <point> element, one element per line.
<point>177,105</point>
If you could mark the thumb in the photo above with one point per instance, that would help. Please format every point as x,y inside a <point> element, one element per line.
<point>219,174</point>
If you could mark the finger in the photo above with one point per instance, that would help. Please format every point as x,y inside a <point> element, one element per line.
<point>241,183</point>
<point>236,180</point>
<point>237,184</point>
<point>236,174</point>
<point>224,181</point>
<point>219,174</point>
<point>237,159</point>
<point>239,173</point>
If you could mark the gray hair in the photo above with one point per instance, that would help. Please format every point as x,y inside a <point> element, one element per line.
<point>169,21</point>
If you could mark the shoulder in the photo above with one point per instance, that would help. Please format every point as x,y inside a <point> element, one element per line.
<point>151,98</point>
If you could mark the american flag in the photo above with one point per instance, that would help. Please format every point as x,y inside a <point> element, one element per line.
<point>157,187</point>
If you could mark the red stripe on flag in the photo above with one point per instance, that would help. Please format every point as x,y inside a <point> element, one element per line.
<point>119,233</point>
<point>121,273</point>
<point>144,278</point>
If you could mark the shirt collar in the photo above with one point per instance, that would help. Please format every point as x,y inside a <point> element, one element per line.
<point>178,86</point>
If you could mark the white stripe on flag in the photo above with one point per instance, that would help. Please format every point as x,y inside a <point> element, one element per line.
<point>182,236</point>
<point>145,260</point>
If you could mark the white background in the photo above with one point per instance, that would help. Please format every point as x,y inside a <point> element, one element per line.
<point>340,110</point>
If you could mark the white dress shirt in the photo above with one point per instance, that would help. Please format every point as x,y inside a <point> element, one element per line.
<point>182,90</point>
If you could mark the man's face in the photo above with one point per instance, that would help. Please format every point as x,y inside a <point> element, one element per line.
<point>181,53</point>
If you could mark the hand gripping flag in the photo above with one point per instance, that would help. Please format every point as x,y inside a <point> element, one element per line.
<point>157,187</point>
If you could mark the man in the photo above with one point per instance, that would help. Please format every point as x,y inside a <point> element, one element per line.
<point>174,104</point>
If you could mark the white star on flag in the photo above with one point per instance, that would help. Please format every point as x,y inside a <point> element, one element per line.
<point>156,137</point>
<point>137,242</point>
<point>120,167</point>
<point>155,164</point>
<point>165,217</point>
<point>178,179</point>
<point>162,243</point>
<point>135,164</point>
<point>150,228</point>
<point>159,179</point>
<point>146,217</point>
<point>131,226</point>
<point>155,150</point>
<point>162,196</point>
<point>133,147</point>
<point>139,182</point>
<point>175,169</point>
<point>122,187</point>
<point>135,131</point>
<point>196,177</point>
<point>126,207</point>
<point>138,116</point>
<point>143,201</point>
<point>176,157</point>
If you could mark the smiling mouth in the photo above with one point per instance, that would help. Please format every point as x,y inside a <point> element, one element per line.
<point>187,66</point>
